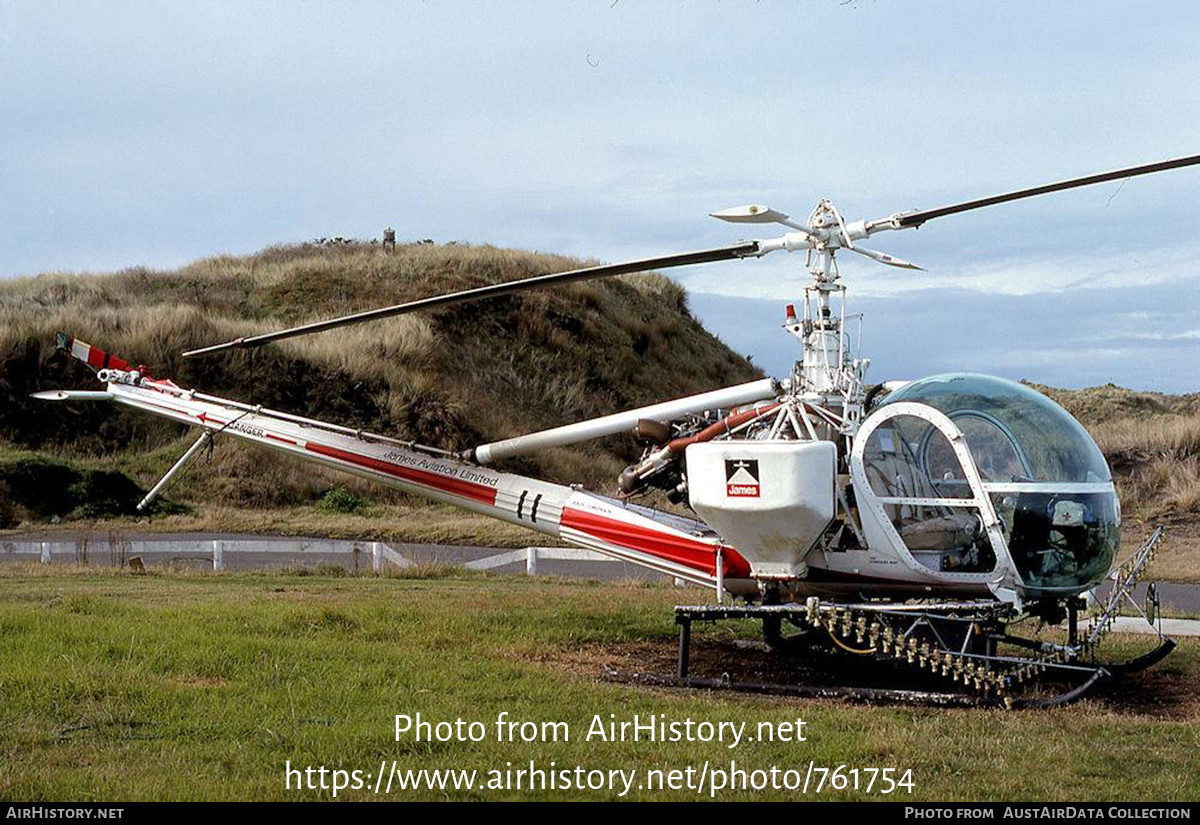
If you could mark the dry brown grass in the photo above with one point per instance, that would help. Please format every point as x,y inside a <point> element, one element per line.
<point>1131,441</point>
<point>1108,402</point>
<point>455,377</point>
<point>1156,461</point>
<point>1152,444</point>
<point>1178,560</point>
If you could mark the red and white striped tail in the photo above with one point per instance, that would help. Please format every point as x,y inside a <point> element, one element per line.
<point>94,357</point>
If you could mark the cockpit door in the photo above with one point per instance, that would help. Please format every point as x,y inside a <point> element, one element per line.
<point>920,495</point>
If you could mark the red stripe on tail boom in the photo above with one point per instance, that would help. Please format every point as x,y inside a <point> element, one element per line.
<point>688,552</point>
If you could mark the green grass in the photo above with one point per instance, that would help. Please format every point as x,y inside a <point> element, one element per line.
<point>175,686</point>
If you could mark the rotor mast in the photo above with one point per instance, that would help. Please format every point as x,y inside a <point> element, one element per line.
<point>827,373</point>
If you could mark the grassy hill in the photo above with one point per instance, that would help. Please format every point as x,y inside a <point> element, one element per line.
<point>453,377</point>
<point>1151,441</point>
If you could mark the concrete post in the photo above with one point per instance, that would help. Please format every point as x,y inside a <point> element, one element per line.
<point>218,555</point>
<point>45,552</point>
<point>531,561</point>
<point>377,557</point>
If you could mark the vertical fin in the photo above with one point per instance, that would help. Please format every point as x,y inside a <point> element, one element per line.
<point>94,357</point>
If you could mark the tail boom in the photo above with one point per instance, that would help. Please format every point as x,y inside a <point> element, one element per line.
<point>659,541</point>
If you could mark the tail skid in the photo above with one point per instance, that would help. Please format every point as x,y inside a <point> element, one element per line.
<point>668,544</point>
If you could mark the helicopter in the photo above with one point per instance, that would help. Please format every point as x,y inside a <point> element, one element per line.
<point>913,521</point>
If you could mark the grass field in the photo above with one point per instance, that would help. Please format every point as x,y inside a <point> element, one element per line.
<point>173,686</point>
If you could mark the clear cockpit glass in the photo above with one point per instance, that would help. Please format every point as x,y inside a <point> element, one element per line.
<point>1060,541</point>
<point>1015,433</point>
<point>1047,480</point>
<point>919,481</point>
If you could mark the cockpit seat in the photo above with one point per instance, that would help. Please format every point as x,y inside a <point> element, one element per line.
<point>941,533</point>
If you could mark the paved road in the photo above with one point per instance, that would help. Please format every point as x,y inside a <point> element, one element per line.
<point>1176,597</point>
<point>1170,627</point>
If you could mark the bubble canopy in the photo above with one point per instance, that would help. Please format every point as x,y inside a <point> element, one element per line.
<point>1045,476</point>
<point>1015,433</point>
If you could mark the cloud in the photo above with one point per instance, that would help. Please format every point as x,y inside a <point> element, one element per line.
<point>1142,337</point>
<point>1016,275</point>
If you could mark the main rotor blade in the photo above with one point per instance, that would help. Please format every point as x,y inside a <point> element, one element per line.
<point>912,219</point>
<point>744,249</point>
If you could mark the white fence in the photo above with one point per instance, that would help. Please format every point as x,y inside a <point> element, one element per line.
<point>115,550</point>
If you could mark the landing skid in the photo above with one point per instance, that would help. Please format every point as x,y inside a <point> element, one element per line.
<point>957,641</point>
<point>1145,660</point>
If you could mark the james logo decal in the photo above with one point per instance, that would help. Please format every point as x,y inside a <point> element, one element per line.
<point>741,478</point>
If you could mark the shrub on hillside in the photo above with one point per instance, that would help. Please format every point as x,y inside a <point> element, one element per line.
<point>341,500</point>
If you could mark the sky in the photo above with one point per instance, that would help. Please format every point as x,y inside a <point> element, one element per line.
<point>152,134</point>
